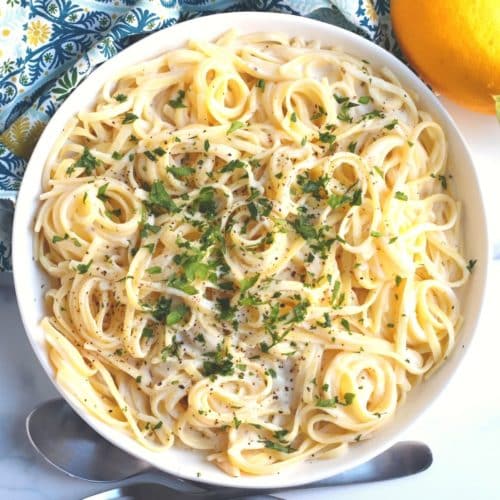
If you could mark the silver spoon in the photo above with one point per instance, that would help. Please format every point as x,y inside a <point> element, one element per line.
<point>70,445</point>
<point>149,491</point>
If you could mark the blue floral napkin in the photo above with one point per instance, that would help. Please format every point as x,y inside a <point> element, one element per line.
<point>47,47</point>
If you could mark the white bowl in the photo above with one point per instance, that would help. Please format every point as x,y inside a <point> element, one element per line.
<point>29,278</point>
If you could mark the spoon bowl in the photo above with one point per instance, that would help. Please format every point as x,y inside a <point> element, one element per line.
<point>70,445</point>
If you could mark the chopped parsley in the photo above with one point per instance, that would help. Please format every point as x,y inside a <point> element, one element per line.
<point>471,264</point>
<point>372,114</point>
<point>327,138</point>
<point>57,239</point>
<point>332,403</point>
<point>442,179</point>
<point>338,200</point>
<point>317,187</point>
<point>345,324</point>
<point>401,196</point>
<point>219,362</point>
<point>147,333</point>
<point>232,166</point>
<point>129,118</point>
<point>178,101</point>
<point>159,151</point>
<point>161,309</point>
<point>321,112</point>
<point>205,202</point>
<point>182,284</point>
<point>235,126</point>
<point>149,228</point>
<point>171,350</point>
<point>177,314</point>
<point>226,312</point>
<point>179,172</point>
<point>113,213</point>
<point>101,192</point>
<point>87,161</point>
<point>345,106</point>
<point>236,422</point>
<point>261,207</point>
<point>83,268</point>
<point>121,97</point>
<point>392,124</point>
<point>150,155</point>
<point>340,99</point>
<point>278,446</point>
<point>159,197</point>
<point>247,283</point>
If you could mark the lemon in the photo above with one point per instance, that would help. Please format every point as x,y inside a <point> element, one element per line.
<point>455,47</point>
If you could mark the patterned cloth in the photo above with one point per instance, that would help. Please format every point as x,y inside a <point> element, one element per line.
<point>47,47</point>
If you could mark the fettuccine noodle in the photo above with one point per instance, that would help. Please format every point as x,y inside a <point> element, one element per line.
<point>254,251</point>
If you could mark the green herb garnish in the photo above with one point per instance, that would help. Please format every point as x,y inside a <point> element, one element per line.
<point>83,268</point>
<point>101,192</point>
<point>176,314</point>
<point>129,118</point>
<point>278,446</point>
<point>233,165</point>
<point>471,264</point>
<point>87,161</point>
<point>179,172</point>
<point>159,197</point>
<point>247,283</point>
<point>235,126</point>
<point>57,239</point>
<point>178,101</point>
<point>219,362</point>
<point>392,124</point>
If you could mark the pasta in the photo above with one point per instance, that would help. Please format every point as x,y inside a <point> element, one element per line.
<point>253,251</point>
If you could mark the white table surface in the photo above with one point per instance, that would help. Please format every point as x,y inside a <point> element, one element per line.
<point>462,428</point>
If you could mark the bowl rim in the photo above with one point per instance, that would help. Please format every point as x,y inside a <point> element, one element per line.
<point>289,24</point>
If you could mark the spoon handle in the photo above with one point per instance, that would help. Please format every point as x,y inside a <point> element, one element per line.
<point>403,459</point>
<point>150,491</point>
